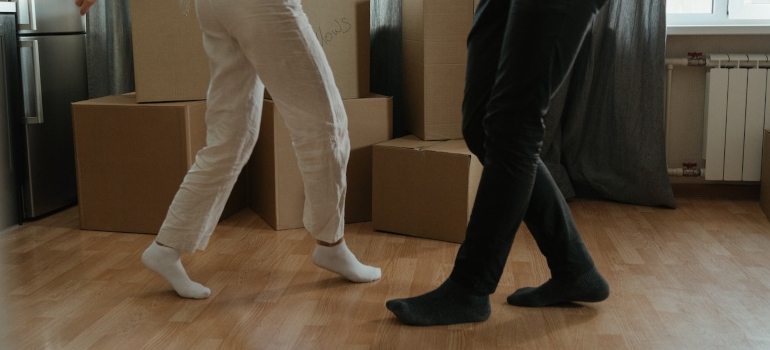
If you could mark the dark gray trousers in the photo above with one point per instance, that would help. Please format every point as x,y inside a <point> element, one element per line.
<point>519,53</point>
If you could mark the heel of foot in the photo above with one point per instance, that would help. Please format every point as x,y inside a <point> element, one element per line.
<point>595,288</point>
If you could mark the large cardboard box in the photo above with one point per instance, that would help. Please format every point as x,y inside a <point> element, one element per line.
<point>276,190</point>
<point>424,188</point>
<point>764,195</point>
<point>435,55</point>
<point>131,159</point>
<point>170,63</point>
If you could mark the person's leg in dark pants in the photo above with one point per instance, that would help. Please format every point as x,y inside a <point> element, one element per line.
<point>573,274</point>
<point>519,52</point>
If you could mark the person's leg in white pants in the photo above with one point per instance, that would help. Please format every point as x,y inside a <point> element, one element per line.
<point>249,42</point>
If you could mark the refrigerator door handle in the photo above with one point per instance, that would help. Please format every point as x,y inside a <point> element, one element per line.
<point>27,18</point>
<point>30,81</point>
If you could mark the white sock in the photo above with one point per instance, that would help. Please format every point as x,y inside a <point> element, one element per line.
<point>167,262</point>
<point>340,260</point>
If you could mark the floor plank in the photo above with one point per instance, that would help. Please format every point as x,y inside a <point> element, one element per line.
<point>695,277</point>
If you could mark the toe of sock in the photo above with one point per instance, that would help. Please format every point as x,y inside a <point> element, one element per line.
<point>395,305</point>
<point>400,309</point>
<point>362,274</point>
<point>375,274</point>
<point>448,304</point>
<point>201,293</point>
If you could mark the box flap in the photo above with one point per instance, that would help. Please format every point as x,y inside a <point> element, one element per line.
<point>409,141</point>
<point>451,146</point>
<point>130,99</point>
<point>415,143</point>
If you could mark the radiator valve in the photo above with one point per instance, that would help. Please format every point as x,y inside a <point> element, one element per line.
<point>696,59</point>
<point>687,169</point>
<point>690,169</point>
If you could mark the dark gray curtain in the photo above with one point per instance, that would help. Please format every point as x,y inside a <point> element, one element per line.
<point>605,128</point>
<point>386,73</point>
<point>109,51</point>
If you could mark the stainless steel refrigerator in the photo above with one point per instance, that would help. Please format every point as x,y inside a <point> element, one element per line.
<point>52,52</point>
<point>9,108</point>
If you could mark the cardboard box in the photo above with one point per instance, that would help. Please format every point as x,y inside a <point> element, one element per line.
<point>170,63</point>
<point>764,194</point>
<point>276,190</point>
<point>424,188</point>
<point>435,55</point>
<point>131,159</point>
<point>342,28</point>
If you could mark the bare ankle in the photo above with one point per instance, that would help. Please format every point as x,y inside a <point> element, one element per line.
<point>163,245</point>
<point>327,244</point>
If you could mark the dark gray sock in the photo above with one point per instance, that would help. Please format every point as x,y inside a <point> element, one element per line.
<point>447,304</point>
<point>589,287</point>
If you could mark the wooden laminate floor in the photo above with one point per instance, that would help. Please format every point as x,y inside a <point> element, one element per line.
<point>697,277</point>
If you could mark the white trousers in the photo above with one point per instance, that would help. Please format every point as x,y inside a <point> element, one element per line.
<point>250,43</point>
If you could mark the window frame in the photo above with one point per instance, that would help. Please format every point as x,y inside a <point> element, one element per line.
<point>717,22</point>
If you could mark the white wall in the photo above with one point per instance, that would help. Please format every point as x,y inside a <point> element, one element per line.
<point>688,89</point>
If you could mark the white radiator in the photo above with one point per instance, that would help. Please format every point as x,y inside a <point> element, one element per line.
<point>737,112</point>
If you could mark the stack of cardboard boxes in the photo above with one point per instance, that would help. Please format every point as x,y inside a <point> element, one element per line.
<point>133,150</point>
<point>276,191</point>
<point>424,184</point>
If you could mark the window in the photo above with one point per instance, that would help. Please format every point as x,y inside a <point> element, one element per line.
<point>749,9</point>
<point>718,16</point>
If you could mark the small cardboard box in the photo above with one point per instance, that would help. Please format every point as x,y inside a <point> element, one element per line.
<point>424,188</point>
<point>170,63</point>
<point>276,190</point>
<point>131,159</point>
<point>435,55</point>
<point>764,194</point>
